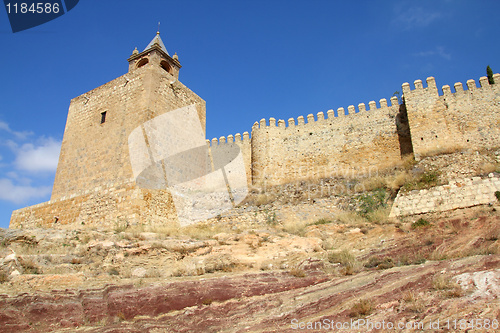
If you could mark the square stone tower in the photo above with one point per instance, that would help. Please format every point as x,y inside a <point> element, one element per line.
<point>94,181</point>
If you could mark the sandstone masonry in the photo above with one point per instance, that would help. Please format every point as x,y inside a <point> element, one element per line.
<point>94,183</point>
<point>461,193</point>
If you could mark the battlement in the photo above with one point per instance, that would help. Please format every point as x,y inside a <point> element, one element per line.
<point>230,139</point>
<point>330,115</point>
<point>326,143</point>
<point>349,140</point>
<point>449,120</point>
<point>446,90</point>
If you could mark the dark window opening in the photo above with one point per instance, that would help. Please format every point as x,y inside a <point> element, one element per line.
<point>103,117</point>
<point>165,66</point>
<point>142,62</point>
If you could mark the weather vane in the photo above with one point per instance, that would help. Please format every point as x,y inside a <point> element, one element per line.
<point>158,27</point>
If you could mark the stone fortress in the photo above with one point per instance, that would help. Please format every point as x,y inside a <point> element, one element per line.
<point>94,183</point>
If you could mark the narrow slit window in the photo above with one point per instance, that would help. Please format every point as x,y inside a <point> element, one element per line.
<point>103,117</point>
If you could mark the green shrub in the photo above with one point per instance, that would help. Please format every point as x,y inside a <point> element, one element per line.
<point>497,194</point>
<point>368,202</point>
<point>379,263</point>
<point>420,223</point>
<point>426,180</point>
<point>489,72</point>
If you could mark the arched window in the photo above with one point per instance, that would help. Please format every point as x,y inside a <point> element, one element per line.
<point>164,64</point>
<point>142,62</point>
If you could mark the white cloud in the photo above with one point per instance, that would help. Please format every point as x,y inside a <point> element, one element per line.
<point>19,194</point>
<point>41,157</point>
<point>414,17</point>
<point>19,135</point>
<point>439,51</point>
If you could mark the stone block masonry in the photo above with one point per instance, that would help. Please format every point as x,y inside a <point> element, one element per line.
<point>100,207</point>
<point>243,143</point>
<point>353,142</point>
<point>95,153</point>
<point>460,193</point>
<point>95,185</point>
<point>462,119</point>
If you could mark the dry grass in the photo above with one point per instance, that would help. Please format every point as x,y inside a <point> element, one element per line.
<point>413,303</point>
<point>391,181</point>
<point>425,180</point>
<point>379,263</point>
<point>362,308</point>
<point>264,199</point>
<point>193,266</point>
<point>486,168</point>
<point>380,215</point>
<point>29,266</point>
<point>444,283</point>
<point>410,297</point>
<point>195,231</point>
<point>372,183</point>
<point>346,259</point>
<point>295,227</point>
<point>3,276</point>
<point>442,151</point>
<point>350,218</point>
<point>297,272</point>
<point>408,162</point>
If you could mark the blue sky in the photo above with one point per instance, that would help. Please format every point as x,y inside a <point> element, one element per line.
<point>248,59</point>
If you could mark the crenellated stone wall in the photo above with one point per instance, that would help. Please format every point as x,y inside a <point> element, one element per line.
<point>94,182</point>
<point>243,143</point>
<point>355,141</point>
<point>461,119</point>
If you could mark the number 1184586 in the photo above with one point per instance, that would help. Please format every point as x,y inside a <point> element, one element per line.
<point>34,8</point>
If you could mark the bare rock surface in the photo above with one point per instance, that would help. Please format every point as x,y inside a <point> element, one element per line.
<point>291,257</point>
<point>255,280</point>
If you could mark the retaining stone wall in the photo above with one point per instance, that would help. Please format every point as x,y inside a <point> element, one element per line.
<point>457,194</point>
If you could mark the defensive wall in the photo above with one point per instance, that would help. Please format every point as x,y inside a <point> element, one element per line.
<point>355,141</point>
<point>460,119</point>
<point>363,139</point>
<point>245,147</point>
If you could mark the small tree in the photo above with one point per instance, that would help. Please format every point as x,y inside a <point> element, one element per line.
<point>489,72</point>
<point>398,95</point>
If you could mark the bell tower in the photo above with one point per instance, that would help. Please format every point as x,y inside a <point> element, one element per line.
<point>94,181</point>
<point>155,54</point>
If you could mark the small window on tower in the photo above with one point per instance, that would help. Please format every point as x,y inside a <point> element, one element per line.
<point>165,66</point>
<point>103,117</point>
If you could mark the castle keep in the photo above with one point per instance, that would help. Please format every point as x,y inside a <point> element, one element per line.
<point>94,182</point>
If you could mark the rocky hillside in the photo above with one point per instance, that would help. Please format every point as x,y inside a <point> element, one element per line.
<point>280,272</point>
